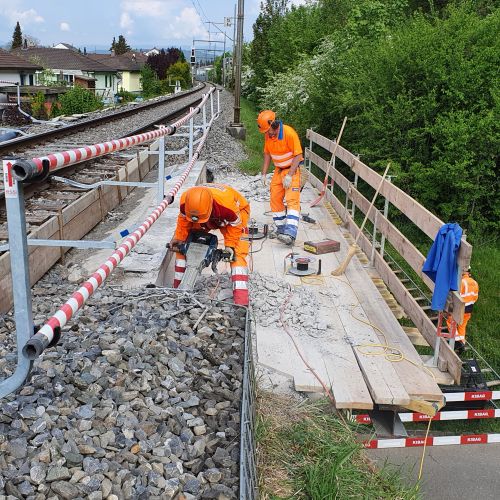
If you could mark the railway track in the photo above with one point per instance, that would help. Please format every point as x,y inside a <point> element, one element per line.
<point>48,199</point>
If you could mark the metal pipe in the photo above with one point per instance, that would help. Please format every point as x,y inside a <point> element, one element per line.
<point>191,123</point>
<point>161,169</point>
<point>21,286</point>
<point>45,335</point>
<point>30,169</point>
<point>386,213</point>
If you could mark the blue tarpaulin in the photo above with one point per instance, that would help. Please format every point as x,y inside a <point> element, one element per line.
<point>441,263</point>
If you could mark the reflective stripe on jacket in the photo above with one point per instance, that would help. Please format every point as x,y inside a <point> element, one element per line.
<point>284,147</point>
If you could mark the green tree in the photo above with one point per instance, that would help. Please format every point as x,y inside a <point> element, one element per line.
<point>180,71</point>
<point>113,45</point>
<point>150,84</point>
<point>121,46</point>
<point>17,37</point>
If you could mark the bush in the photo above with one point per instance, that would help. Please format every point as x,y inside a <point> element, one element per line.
<point>78,100</point>
<point>125,95</point>
<point>422,93</point>
<point>38,106</point>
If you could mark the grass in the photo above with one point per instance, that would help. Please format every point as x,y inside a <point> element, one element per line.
<point>306,452</point>
<point>254,142</point>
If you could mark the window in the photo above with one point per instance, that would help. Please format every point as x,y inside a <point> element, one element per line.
<point>31,80</point>
<point>22,79</point>
<point>68,78</point>
<point>106,80</point>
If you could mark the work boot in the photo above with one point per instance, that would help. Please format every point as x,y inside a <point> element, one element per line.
<point>286,239</point>
<point>459,347</point>
<point>274,233</point>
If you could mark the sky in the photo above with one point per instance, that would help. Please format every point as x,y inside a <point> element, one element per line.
<point>144,23</point>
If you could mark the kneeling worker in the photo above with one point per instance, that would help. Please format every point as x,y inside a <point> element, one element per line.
<point>282,145</point>
<point>216,206</point>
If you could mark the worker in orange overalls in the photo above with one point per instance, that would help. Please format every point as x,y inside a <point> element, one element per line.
<point>216,206</point>
<point>282,146</point>
<point>469,291</point>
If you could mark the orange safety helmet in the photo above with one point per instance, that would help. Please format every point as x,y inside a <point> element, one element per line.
<point>265,119</point>
<point>198,204</point>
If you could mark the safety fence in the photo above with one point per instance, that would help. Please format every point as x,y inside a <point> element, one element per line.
<point>248,468</point>
<point>346,197</point>
<point>16,172</point>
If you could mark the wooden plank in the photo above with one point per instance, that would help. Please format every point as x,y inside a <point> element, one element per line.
<point>447,358</point>
<point>331,356</point>
<point>415,380</point>
<point>417,213</point>
<point>380,374</point>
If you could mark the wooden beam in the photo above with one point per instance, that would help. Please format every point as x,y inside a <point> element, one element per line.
<point>417,213</point>
<point>78,219</point>
<point>398,240</point>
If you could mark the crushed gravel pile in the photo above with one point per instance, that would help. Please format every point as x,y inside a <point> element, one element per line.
<point>139,400</point>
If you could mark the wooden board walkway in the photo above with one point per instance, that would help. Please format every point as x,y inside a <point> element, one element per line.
<point>350,357</point>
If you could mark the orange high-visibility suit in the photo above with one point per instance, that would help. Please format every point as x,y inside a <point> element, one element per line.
<point>230,213</point>
<point>283,148</point>
<point>469,291</point>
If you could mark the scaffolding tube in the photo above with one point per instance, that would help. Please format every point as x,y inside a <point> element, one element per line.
<point>36,344</point>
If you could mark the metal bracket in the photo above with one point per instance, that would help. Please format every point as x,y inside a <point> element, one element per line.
<point>387,423</point>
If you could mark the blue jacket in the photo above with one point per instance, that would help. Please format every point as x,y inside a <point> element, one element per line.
<point>441,263</point>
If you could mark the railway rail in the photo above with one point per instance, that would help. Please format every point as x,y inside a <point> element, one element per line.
<point>21,143</point>
<point>49,199</point>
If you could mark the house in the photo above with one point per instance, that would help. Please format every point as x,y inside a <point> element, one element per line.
<point>62,45</point>
<point>151,52</point>
<point>16,69</point>
<point>128,67</point>
<point>73,68</point>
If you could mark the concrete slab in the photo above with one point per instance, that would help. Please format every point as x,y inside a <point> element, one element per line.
<point>450,472</point>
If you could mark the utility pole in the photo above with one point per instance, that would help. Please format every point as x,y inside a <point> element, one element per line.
<point>236,129</point>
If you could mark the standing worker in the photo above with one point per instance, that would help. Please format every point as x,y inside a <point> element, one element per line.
<point>282,146</point>
<point>216,206</point>
<point>469,291</point>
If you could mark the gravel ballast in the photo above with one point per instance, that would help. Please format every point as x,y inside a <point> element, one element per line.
<point>132,403</point>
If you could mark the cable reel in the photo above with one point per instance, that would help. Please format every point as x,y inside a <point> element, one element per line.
<point>257,231</point>
<point>300,265</point>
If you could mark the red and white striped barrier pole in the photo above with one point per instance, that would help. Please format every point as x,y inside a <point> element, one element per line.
<point>31,169</point>
<point>36,344</point>
<point>411,442</point>
<point>440,416</point>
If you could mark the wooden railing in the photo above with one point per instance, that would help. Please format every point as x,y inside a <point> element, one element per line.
<point>416,213</point>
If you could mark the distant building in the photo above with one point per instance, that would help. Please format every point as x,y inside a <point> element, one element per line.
<point>15,69</point>
<point>73,68</point>
<point>128,67</point>
<point>62,45</point>
<point>151,52</point>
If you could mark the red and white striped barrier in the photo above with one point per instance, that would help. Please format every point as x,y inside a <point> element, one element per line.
<point>440,416</point>
<point>411,442</point>
<point>28,169</point>
<point>472,396</point>
<point>35,346</point>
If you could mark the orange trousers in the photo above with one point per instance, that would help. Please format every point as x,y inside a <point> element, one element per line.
<point>460,328</point>
<point>287,221</point>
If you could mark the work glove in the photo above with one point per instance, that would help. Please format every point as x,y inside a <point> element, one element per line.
<point>230,255</point>
<point>175,245</point>
<point>263,179</point>
<point>287,181</point>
